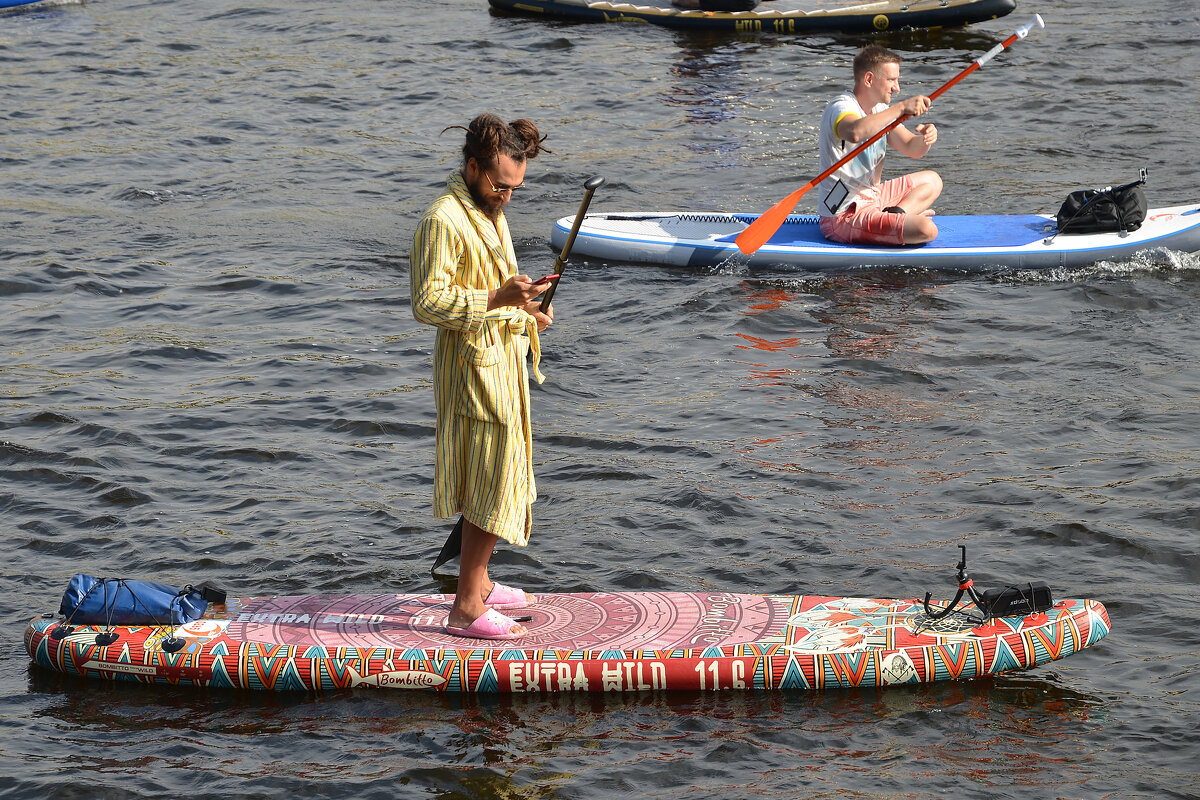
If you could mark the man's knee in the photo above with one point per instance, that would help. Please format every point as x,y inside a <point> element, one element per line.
<point>919,229</point>
<point>931,181</point>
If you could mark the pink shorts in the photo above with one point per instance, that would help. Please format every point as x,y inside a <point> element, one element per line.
<point>865,222</point>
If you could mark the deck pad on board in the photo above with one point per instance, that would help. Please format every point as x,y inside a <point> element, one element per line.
<point>983,230</point>
<point>614,621</point>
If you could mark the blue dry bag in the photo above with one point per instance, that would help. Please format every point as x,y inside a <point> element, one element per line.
<point>117,601</point>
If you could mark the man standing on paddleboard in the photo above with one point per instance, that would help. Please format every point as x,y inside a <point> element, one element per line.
<point>465,282</point>
<point>855,204</point>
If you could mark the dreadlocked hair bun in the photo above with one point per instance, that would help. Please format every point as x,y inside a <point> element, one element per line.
<point>488,136</point>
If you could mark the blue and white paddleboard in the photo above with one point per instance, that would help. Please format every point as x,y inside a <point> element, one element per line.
<point>976,242</point>
<point>15,3</point>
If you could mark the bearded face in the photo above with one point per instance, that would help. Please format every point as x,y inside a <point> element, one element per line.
<point>492,186</point>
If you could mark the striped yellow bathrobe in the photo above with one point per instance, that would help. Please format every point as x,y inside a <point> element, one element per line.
<point>484,464</point>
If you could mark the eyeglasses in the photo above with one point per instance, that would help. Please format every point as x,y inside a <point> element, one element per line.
<point>501,189</point>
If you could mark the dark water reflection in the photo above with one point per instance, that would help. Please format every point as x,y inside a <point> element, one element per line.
<point>591,745</point>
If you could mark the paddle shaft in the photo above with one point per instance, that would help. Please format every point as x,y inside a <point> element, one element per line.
<point>763,228</point>
<point>560,263</point>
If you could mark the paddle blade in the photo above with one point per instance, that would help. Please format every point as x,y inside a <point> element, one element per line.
<point>760,231</point>
<point>1034,24</point>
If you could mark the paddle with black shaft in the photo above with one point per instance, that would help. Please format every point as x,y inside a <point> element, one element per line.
<point>453,546</point>
<point>762,229</point>
<point>561,262</point>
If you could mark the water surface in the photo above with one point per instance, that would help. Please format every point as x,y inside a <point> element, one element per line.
<point>210,371</point>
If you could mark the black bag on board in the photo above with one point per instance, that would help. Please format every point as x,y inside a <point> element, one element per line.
<point>1113,208</point>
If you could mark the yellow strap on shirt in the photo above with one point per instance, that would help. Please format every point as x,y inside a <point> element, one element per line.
<point>838,121</point>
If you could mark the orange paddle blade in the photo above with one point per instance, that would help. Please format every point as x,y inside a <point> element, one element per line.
<point>758,232</point>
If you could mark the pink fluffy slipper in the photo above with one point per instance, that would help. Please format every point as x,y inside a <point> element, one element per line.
<point>506,598</point>
<point>491,625</point>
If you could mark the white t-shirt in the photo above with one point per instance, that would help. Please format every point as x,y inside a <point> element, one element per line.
<point>865,170</point>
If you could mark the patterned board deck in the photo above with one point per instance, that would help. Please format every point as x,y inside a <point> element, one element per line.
<point>578,642</point>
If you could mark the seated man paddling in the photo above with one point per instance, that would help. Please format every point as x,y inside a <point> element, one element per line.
<point>856,207</point>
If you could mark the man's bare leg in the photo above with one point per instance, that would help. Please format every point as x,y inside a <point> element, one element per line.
<point>917,205</point>
<point>477,547</point>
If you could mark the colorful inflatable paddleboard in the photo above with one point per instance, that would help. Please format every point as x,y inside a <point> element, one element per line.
<point>618,642</point>
<point>969,243</point>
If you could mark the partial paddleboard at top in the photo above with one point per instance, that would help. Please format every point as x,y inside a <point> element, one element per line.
<point>591,642</point>
<point>975,242</point>
<point>802,17</point>
<point>15,3</point>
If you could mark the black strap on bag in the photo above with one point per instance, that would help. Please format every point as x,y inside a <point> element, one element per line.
<point>1108,210</point>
